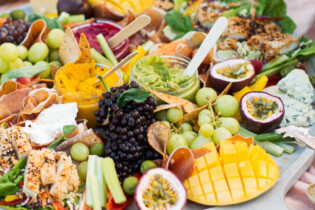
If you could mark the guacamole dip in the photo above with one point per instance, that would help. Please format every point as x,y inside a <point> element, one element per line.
<point>155,72</point>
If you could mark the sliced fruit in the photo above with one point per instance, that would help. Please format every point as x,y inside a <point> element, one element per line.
<point>160,189</point>
<point>261,112</point>
<point>239,71</point>
<point>237,173</point>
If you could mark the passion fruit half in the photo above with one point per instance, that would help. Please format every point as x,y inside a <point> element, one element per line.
<point>239,71</point>
<point>159,188</point>
<point>261,112</point>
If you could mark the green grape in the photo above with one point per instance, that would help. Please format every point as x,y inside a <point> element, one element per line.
<point>45,73</point>
<point>189,136</point>
<point>203,119</point>
<point>23,52</point>
<point>54,55</point>
<point>79,152</point>
<point>18,63</point>
<point>226,106</point>
<point>3,66</point>
<point>200,141</point>
<point>54,38</point>
<point>205,112</point>
<point>161,115</point>
<point>82,170</point>
<point>9,52</point>
<point>130,184</point>
<point>206,130</point>
<point>146,165</point>
<point>168,124</point>
<point>185,127</point>
<point>220,134</point>
<point>38,52</point>
<point>205,95</point>
<point>56,63</point>
<point>175,141</point>
<point>174,114</point>
<point>27,63</point>
<point>97,149</point>
<point>229,123</point>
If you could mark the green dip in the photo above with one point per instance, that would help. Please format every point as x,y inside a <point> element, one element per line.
<point>155,72</point>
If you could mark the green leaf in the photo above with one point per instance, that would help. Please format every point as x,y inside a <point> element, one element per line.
<point>68,129</point>
<point>132,94</point>
<point>12,207</point>
<point>188,23</point>
<point>55,143</point>
<point>178,36</point>
<point>175,21</point>
<point>273,8</point>
<point>312,80</point>
<point>287,25</point>
<point>51,22</point>
<point>11,175</point>
<point>28,71</point>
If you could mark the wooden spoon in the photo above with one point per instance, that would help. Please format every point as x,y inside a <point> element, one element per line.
<point>212,37</point>
<point>122,63</point>
<point>133,27</point>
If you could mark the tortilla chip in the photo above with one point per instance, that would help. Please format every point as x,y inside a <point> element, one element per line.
<point>48,82</point>
<point>36,33</point>
<point>54,70</point>
<point>85,56</point>
<point>76,24</point>
<point>69,50</point>
<point>167,106</point>
<point>187,105</point>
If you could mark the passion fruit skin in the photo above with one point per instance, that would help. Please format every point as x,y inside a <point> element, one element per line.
<point>139,188</point>
<point>256,125</point>
<point>219,84</point>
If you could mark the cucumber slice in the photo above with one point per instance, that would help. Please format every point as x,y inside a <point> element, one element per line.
<point>111,178</point>
<point>287,148</point>
<point>271,148</point>
<point>95,192</point>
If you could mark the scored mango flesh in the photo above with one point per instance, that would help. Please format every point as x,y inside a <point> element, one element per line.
<point>235,174</point>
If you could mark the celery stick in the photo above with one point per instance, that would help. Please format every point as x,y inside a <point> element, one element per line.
<point>246,133</point>
<point>271,148</point>
<point>99,58</point>
<point>106,49</point>
<point>287,148</point>
<point>90,171</point>
<point>95,192</point>
<point>63,17</point>
<point>112,181</point>
<point>280,60</point>
<point>76,18</point>
<point>101,182</point>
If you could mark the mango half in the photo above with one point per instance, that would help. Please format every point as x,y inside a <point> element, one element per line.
<point>235,172</point>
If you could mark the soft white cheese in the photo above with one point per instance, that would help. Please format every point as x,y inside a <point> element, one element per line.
<point>50,122</point>
<point>297,85</point>
<point>296,113</point>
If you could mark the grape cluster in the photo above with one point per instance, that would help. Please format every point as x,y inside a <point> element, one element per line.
<point>13,31</point>
<point>126,130</point>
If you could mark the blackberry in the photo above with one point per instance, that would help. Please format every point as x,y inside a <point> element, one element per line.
<point>125,130</point>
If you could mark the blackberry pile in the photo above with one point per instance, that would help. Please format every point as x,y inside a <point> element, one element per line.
<point>126,130</point>
<point>13,31</point>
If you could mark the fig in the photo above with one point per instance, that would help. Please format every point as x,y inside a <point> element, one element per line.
<point>159,188</point>
<point>75,7</point>
<point>238,71</point>
<point>261,112</point>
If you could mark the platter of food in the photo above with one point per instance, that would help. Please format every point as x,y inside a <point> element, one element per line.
<point>122,104</point>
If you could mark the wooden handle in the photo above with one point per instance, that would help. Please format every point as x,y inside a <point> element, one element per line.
<point>212,37</point>
<point>133,27</point>
<point>122,63</point>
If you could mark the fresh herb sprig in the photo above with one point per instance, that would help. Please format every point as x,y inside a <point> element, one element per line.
<point>179,23</point>
<point>132,94</point>
<point>66,130</point>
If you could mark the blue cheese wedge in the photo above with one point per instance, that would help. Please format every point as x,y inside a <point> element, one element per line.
<point>298,86</point>
<point>296,112</point>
